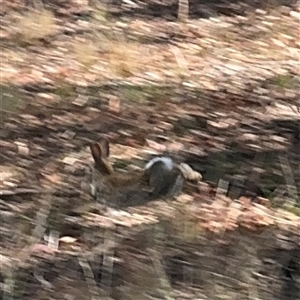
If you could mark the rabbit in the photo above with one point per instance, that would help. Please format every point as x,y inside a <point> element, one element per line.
<point>160,178</point>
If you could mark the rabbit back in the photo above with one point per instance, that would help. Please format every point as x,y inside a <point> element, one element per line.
<point>165,179</point>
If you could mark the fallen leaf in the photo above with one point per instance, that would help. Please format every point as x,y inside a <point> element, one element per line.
<point>22,148</point>
<point>54,178</point>
<point>67,240</point>
<point>114,104</point>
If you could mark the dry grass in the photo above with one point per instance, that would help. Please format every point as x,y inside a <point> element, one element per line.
<point>111,47</point>
<point>99,14</point>
<point>292,209</point>
<point>120,56</point>
<point>36,25</point>
<point>123,57</point>
<point>185,225</point>
<point>272,35</point>
<point>85,52</point>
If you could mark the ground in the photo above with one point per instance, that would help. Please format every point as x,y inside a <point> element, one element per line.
<point>219,92</point>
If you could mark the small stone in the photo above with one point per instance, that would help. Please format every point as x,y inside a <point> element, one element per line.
<point>285,10</point>
<point>69,160</point>
<point>22,148</point>
<point>80,100</point>
<point>263,201</point>
<point>248,137</point>
<point>260,11</point>
<point>45,96</point>
<point>278,43</point>
<point>295,14</point>
<point>67,240</point>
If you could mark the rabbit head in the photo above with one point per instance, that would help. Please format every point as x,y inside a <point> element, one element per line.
<point>105,180</point>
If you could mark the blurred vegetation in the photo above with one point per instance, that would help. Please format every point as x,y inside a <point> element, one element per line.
<point>213,84</point>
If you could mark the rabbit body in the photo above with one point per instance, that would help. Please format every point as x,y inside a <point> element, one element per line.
<point>160,178</point>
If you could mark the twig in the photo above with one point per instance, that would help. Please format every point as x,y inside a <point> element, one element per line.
<point>41,220</point>
<point>222,188</point>
<point>89,277</point>
<point>183,10</point>
<point>108,261</point>
<point>161,275</point>
<point>6,267</point>
<point>37,234</point>
<point>289,178</point>
<point>180,59</point>
<point>39,276</point>
<point>19,191</point>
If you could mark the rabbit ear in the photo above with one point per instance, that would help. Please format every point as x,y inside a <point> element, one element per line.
<point>96,152</point>
<point>104,145</point>
<point>101,163</point>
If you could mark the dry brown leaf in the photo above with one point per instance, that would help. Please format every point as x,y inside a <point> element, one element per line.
<point>54,178</point>
<point>156,146</point>
<point>42,249</point>
<point>114,104</point>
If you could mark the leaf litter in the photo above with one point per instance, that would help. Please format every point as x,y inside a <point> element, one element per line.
<point>211,54</point>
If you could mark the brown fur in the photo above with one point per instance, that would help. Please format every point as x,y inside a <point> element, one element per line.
<point>156,179</point>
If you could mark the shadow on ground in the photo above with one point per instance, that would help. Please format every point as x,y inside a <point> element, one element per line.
<point>215,151</point>
<point>168,9</point>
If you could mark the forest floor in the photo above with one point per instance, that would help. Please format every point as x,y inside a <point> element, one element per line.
<point>219,91</point>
